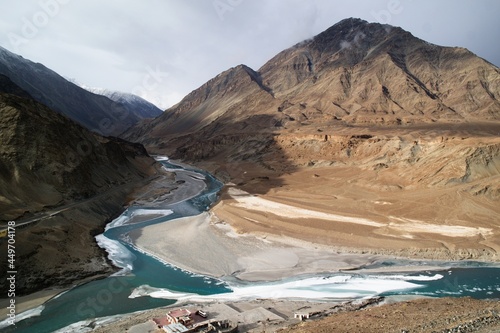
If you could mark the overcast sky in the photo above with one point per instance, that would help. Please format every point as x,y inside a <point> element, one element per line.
<point>163,49</point>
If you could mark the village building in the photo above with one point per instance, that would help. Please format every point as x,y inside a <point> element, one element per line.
<point>180,316</point>
<point>301,315</point>
<point>192,321</point>
<point>176,328</point>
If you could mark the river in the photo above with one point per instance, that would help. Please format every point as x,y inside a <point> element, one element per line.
<point>145,282</point>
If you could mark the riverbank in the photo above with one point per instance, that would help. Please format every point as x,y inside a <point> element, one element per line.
<point>29,302</point>
<point>92,211</point>
<point>267,228</point>
<point>206,245</point>
<point>262,315</point>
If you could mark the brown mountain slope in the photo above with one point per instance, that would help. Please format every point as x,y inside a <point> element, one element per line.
<point>50,164</point>
<point>363,120</point>
<point>419,316</point>
<point>237,92</point>
<point>369,73</point>
<point>48,160</point>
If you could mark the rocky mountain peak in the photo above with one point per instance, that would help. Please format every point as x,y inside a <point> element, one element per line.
<point>356,33</point>
<point>345,44</point>
<point>231,79</point>
<point>205,104</point>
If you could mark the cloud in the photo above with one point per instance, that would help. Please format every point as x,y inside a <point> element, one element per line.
<point>355,41</point>
<point>111,44</point>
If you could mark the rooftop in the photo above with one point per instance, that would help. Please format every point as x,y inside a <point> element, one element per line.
<point>178,313</point>
<point>175,328</point>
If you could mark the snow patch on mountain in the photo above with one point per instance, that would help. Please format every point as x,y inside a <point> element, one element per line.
<point>138,104</point>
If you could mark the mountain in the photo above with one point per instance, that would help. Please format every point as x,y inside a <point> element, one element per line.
<point>354,73</point>
<point>95,112</point>
<point>235,94</point>
<point>8,87</point>
<point>46,159</point>
<point>76,179</point>
<point>363,119</point>
<point>132,103</point>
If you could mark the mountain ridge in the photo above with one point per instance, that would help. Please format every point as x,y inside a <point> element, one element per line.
<point>41,153</point>
<point>234,84</point>
<point>130,101</point>
<point>358,73</point>
<point>95,112</point>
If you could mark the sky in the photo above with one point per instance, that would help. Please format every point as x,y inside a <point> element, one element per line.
<point>163,49</point>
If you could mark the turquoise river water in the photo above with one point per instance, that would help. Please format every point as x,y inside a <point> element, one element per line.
<point>144,275</point>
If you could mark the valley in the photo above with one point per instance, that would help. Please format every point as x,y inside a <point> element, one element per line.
<point>269,268</point>
<point>361,163</point>
<point>61,183</point>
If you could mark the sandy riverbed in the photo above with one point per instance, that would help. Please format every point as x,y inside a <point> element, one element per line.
<point>336,207</point>
<point>205,245</point>
<point>272,236</point>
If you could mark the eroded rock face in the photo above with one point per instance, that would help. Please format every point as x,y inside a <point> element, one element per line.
<point>48,160</point>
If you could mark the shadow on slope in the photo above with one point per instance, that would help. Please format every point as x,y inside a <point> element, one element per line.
<point>244,152</point>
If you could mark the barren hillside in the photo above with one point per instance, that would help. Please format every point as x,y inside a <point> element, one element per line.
<point>51,165</point>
